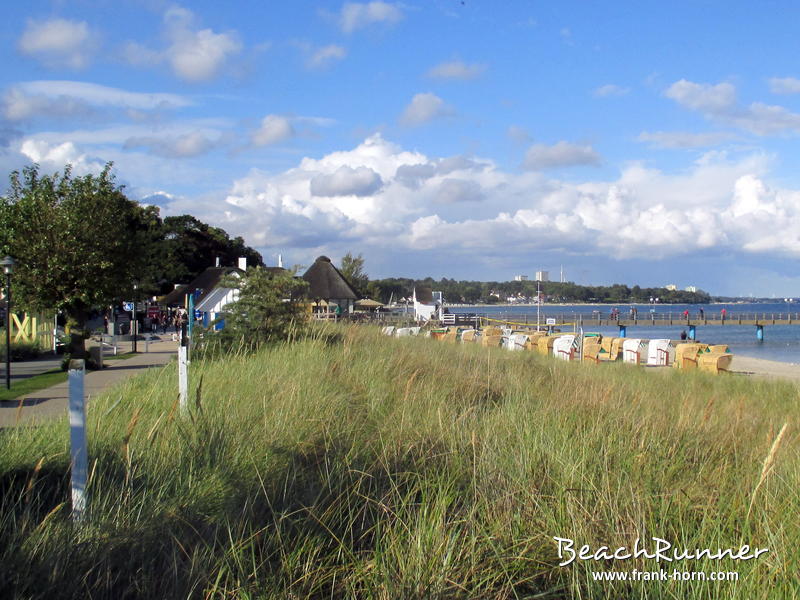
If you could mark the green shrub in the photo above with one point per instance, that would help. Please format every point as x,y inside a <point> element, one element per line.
<point>21,350</point>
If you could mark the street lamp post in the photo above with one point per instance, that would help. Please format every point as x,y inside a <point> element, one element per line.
<point>8,268</point>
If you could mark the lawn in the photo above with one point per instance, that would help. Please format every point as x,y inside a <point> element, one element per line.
<point>32,384</point>
<point>351,465</point>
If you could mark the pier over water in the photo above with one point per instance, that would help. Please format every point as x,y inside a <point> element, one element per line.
<point>597,318</point>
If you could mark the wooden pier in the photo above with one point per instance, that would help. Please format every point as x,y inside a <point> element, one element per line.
<point>659,319</point>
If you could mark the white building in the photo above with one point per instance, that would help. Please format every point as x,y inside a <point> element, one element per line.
<point>671,287</point>
<point>542,275</point>
<point>691,288</point>
<point>520,278</point>
<point>427,304</point>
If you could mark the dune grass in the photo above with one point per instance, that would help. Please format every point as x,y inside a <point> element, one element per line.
<point>349,465</point>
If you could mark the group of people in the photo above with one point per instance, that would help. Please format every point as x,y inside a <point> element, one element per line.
<point>634,313</point>
<point>167,318</point>
<point>154,323</point>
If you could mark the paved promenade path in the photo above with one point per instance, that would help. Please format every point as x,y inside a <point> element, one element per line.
<point>53,401</point>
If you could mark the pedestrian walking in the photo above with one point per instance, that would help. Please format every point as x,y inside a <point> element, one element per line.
<point>723,313</point>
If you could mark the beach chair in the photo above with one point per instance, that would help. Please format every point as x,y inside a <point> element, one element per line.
<point>591,349</point>
<point>660,353</point>
<point>715,362</point>
<point>564,347</point>
<point>634,351</point>
<point>686,355</point>
<point>468,335</point>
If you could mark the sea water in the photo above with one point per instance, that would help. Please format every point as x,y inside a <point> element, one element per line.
<point>781,342</point>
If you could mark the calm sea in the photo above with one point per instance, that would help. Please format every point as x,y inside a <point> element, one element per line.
<point>781,342</point>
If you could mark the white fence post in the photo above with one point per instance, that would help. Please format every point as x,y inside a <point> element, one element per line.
<point>77,428</point>
<point>183,373</point>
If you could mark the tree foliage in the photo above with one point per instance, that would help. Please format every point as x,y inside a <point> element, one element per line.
<point>185,246</point>
<point>76,240</point>
<point>353,271</point>
<point>270,307</point>
<point>497,291</point>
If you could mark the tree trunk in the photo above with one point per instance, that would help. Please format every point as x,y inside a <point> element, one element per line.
<point>76,321</point>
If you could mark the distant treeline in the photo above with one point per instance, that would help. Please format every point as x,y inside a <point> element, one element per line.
<point>492,292</point>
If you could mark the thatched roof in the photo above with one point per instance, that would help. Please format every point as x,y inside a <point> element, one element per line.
<point>205,282</point>
<point>368,303</point>
<point>326,281</point>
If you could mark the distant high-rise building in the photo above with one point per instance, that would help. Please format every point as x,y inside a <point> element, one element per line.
<point>671,287</point>
<point>520,278</point>
<point>542,276</point>
<point>691,288</point>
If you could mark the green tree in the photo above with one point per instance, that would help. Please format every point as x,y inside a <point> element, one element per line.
<point>76,240</point>
<point>353,271</point>
<point>270,306</point>
<point>186,246</point>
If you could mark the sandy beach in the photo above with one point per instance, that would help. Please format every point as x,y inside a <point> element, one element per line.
<point>770,369</point>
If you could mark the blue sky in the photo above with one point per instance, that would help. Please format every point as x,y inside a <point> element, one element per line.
<point>629,142</point>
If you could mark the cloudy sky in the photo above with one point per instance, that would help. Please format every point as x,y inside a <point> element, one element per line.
<point>628,142</point>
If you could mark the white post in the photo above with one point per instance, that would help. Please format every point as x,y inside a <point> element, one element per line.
<point>183,373</point>
<point>77,427</point>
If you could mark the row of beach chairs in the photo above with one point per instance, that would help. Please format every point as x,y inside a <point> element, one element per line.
<point>591,347</point>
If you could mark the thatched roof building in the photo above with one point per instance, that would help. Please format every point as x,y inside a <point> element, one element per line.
<point>200,286</point>
<point>326,282</point>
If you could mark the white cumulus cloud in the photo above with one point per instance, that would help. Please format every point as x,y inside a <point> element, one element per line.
<point>456,69</point>
<point>193,54</point>
<point>784,85</point>
<point>53,157</point>
<point>273,129</point>
<point>356,15</point>
<point>346,181</point>
<point>58,42</point>
<point>610,90</point>
<point>325,56</point>
<point>718,102</point>
<point>713,99</point>
<point>423,108</point>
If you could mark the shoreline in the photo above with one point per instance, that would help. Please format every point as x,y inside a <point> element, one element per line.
<point>765,369</point>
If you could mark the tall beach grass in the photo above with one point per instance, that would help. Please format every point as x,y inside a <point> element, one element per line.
<point>350,465</point>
